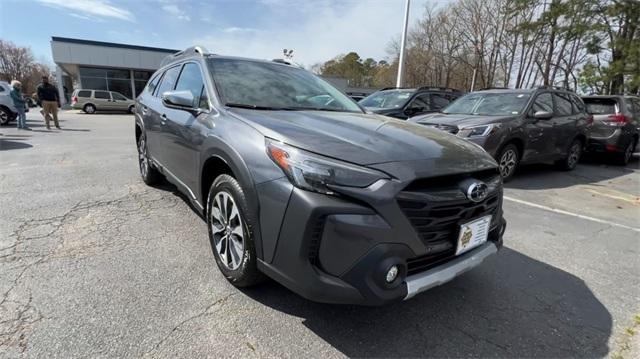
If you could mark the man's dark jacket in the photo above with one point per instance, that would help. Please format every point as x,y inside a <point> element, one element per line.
<point>48,92</point>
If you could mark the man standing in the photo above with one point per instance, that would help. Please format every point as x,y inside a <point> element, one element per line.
<point>50,99</point>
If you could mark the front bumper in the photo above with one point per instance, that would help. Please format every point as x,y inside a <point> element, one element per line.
<point>337,250</point>
<point>434,277</point>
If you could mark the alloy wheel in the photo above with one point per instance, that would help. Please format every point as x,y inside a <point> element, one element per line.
<point>142,156</point>
<point>4,117</point>
<point>574,155</point>
<point>227,229</point>
<point>508,163</point>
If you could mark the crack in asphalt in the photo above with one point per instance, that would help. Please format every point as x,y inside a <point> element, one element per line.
<point>85,229</point>
<point>219,302</point>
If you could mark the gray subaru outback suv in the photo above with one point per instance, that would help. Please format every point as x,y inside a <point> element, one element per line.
<point>338,205</point>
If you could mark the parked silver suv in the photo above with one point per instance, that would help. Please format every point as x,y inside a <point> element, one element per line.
<point>8,111</point>
<point>91,101</point>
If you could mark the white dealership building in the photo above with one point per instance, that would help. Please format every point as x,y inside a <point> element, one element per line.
<point>104,65</point>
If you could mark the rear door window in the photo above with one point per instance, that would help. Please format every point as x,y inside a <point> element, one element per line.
<point>563,105</point>
<point>600,106</point>
<point>168,80</point>
<point>84,93</point>
<point>104,95</point>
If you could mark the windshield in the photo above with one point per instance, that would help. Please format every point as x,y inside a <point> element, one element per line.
<point>273,86</point>
<point>489,104</point>
<point>387,99</point>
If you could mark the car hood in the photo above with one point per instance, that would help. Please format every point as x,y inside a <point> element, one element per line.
<point>363,138</point>
<point>459,120</point>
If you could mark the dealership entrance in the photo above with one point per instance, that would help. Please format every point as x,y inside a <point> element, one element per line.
<point>96,65</point>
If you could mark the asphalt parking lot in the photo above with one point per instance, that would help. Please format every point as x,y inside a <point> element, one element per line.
<point>95,263</point>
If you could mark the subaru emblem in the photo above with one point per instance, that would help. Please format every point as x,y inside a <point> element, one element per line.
<point>477,191</point>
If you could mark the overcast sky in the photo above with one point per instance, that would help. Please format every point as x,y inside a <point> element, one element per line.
<point>317,30</point>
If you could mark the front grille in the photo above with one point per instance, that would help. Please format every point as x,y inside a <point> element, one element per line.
<point>436,213</point>
<point>437,224</point>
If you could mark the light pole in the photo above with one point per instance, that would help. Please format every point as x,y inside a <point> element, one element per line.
<point>403,44</point>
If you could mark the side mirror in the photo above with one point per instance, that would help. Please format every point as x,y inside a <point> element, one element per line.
<point>542,115</point>
<point>178,99</point>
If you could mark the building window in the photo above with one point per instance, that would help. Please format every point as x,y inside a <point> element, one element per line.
<point>140,80</point>
<point>117,80</point>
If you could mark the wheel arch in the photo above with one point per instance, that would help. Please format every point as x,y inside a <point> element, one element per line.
<point>516,141</point>
<point>222,159</point>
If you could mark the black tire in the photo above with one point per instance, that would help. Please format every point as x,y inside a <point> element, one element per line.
<point>572,157</point>
<point>89,108</point>
<point>508,161</point>
<point>240,269</point>
<point>5,116</point>
<point>149,174</point>
<point>623,158</point>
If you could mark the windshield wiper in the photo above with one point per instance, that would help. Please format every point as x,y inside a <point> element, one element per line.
<point>268,108</point>
<point>316,109</point>
<point>254,107</point>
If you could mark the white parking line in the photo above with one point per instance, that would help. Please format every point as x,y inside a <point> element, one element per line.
<point>556,210</point>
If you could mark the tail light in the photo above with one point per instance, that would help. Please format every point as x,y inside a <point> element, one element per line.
<point>589,120</point>
<point>74,99</point>
<point>617,119</point>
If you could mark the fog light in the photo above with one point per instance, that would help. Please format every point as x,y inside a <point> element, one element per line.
<point>392,273</point>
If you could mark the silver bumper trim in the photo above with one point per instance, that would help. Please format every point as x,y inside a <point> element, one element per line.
<point>441,274</point>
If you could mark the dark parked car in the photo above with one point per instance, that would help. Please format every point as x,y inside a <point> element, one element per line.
<point>519,126</point>
<point>616,125</point>
<point>338,205</point>
<point>405,103</point>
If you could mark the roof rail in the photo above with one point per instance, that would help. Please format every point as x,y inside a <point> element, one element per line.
<point>550,87</point>
<point>393,88</point>
<point>493,88</point>
<point>437,88</point>
<point>184,53</point>
<point>282,61</point>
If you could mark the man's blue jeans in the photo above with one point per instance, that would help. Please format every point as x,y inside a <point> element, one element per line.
<point>21,118</point>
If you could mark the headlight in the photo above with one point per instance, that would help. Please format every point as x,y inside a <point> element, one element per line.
<point>317,173</point>
<point>475,131</point>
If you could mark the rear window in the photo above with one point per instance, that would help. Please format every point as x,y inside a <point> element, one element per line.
<point>600,106</point>
<point>84,93</point>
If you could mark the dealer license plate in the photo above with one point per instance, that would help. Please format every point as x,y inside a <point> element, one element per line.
<point>473,234</point>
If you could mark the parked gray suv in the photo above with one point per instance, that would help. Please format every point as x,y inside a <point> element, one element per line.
<point>518,126</point>
<point>298,183</point>
<point>616,125</point>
